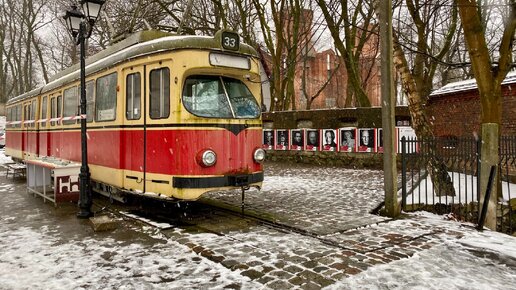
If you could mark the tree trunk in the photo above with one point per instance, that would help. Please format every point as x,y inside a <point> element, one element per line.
<point>436,167</point>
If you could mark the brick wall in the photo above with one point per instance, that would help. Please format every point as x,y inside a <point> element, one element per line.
<point>458,114</point>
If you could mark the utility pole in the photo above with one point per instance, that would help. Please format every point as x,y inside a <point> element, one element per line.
<point>388,104</point>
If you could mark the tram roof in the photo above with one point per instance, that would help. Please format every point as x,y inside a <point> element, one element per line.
<point>139,44</point>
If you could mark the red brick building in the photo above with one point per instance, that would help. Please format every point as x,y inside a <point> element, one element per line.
<point>455,108</point>
<point>313,69</point>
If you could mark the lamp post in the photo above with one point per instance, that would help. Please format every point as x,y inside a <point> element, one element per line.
<point>81,25</point>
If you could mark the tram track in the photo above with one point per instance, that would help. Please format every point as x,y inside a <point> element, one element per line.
<point>193,215</point>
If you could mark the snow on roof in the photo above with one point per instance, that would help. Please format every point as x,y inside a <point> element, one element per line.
<point>470,84</point>
<point>138,47</point>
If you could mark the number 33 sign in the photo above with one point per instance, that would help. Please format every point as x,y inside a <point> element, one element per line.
<point>230,40</point>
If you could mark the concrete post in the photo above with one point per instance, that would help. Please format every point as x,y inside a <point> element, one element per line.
<point>489,157</point>
<point>392,207</point>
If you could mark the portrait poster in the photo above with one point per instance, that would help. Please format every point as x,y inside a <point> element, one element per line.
<point>347,139</point>
<point>268,139</point>
<point>409,134</point>
<point>379,140</point>
<point>297,139</point>
<point>313,141</point>
<point>329,141</point>
<point>282,139</point>
<point>366,140</point>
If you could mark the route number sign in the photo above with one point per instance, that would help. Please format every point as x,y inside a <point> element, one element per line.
<point>230,41</point>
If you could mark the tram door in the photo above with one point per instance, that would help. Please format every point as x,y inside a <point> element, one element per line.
<point>158,143</point>
<point>133,129</point>
<point>25,129</point>
<point>29,134</point>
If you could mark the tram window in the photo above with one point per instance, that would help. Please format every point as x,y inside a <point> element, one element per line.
<point>18,115</point>
<point>133,96</point>
<point>106,98</point>
<point>90,101</point>
<point>219,97</point>
<point>70,105</point>
<point>26,115</point>
<point>53,111</point>
<point>242,100</point>
<point>33,114</point>
<point>43,111</point>
<point>160,93</point>
<point>59,103</point>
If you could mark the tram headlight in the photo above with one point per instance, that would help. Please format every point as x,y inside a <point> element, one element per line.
<point>259,155</point>
<point>208,158</point>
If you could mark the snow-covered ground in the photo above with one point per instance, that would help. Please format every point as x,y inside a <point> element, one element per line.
<point>465,187</point>
<point>42,247</point>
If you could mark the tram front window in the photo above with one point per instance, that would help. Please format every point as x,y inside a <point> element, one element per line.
<point>219,97</point>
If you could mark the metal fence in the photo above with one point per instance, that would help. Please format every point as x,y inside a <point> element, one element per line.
<point>460,158</point>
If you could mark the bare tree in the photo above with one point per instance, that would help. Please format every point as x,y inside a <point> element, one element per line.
<point>351,26</point>
<point>22,55</point>
<point>490,69</point>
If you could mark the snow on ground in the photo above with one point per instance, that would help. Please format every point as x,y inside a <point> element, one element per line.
<point>480,260</point>
<point>465,187</point>
<point>46,248</point>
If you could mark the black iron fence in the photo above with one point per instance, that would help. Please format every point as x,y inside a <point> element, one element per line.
<point>459,159</point>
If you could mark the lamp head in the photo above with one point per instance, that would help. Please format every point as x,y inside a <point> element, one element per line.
<point>73,20</point>
<point>92,9</point>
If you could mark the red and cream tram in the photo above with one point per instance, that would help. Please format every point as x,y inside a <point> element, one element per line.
<point>174,116</point>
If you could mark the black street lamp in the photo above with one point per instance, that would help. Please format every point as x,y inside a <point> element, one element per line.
<point>76,23</point>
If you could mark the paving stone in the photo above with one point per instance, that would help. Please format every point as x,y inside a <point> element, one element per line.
<point>352,270</point>
<point>293,269</point>
<point>265,279</point>
<point>252,274</point>
<point>240,267</point>
<point>310,264</point>
<point>398,254</point>
<point>326,261</point>
<point>320,269</point>
<point>279,285</point>
<point>340,275</point>
<point>339,266</point>
<point>310,286</point>
<point>296,259</point>
<point>314,255</point>
<point>267,269</point>
<point>284,275</point>
<point>254,263</point>
<point>297,280</point>
<point>230,264</point>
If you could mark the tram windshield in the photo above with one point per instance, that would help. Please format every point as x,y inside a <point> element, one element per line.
<point>219,97</point>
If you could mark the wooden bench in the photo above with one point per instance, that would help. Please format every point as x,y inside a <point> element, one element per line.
<point>15,169</point>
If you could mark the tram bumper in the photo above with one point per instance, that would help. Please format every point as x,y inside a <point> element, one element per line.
<point>217,181</point>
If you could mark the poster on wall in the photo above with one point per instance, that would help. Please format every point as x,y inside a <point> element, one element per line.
<point>409,134</point>
<point>329,140</point>
<point>297,141</point>
<point>347,141</point>
<point>268,139</point>
<point>312,140</point>
<point>367,140</point>
<point>281,139</point>
<point>379,140</point>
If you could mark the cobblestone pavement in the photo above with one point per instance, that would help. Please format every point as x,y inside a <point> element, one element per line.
<point>342,248</point>
<point>318,199</point>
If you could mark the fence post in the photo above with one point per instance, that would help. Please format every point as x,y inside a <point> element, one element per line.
<point>487,196</point>
<point>403,172</point>
<point>489,157</point>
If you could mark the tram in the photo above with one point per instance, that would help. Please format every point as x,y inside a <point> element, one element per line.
<point>167,116</point>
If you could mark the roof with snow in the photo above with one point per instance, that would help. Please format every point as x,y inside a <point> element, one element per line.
<point>467,85</point>
<point>141,44</point>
